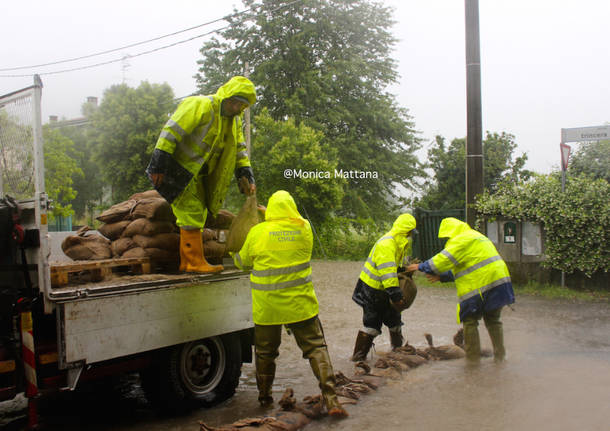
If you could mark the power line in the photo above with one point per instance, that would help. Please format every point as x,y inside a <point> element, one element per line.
<point>116,60</point>
<point>126,46</point>
<point>139,43</point>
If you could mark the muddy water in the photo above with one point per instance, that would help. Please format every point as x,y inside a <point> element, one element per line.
<point>557,374</point>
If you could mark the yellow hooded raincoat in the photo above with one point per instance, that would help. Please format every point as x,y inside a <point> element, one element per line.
<point>380,270</point>
<point>203,145</point>
<point>279,252</point>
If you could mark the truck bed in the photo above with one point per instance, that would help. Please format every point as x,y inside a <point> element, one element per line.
<point>120,284</point>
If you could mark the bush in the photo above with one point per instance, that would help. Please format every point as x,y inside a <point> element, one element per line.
<point>344,238</point>
<point>575,222</point>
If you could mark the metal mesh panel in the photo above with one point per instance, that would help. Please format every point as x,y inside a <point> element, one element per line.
<point>17,145</point>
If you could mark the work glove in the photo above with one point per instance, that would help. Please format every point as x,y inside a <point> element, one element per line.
<point>157,179</point>
<point>247,186</point>
<point>157,167</point>
<point>399,305</point>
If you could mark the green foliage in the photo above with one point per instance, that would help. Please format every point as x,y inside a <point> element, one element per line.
<point>16,157</point>
<point>125,129</point>
<point>90,185</point>
<point>447,189</point>
<point>575,222</point>
<point>61,166</point>
<point>280,146</point>
<point>327,63</point>
<point>350,239</point>
<point>593,159</point>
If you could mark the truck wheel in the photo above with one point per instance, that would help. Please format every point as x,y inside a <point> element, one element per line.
<point>200,373</point>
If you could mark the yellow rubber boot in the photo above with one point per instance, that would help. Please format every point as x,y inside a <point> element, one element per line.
<point>191,253</point>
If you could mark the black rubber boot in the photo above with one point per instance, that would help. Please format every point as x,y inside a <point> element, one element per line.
<point>364,342</point>
<point>396,339</point>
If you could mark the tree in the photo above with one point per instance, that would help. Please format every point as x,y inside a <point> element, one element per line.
<point>447,188</point>
<point>575,221</point>
<point>326,63</point>
<point>593,159</point>
<point>60,168</point>
<point>90,185</point>
<point>279,146</point>
<point>16,157</point>
<point>125,129</point>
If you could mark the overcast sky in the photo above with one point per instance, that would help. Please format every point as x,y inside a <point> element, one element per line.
<point>545,64</point>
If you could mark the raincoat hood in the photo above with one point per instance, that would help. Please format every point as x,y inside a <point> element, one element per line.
<point>280,206</point>
<point>238,86</point>
<point>451,227</point>
<point>404,224</point>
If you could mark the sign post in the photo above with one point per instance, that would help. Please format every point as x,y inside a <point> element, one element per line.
<point>565,155</point>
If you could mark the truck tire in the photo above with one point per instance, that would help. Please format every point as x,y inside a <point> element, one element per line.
<point>199,373</point>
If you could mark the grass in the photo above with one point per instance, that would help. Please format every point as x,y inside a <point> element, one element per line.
<point>550,291</point>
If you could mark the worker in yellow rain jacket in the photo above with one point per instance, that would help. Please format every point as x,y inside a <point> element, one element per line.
<point>278,251</point>
<point>198,150</point>
<point>482,280</point>
<point>377,290</point>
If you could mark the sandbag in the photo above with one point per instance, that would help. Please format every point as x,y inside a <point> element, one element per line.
<point>280,421</point>
<point>143,226</point>
<point>121,245</point>
<point>222,220</point>
<point>408,289</point>
<point>246,218</point>
<point>153,208</point>
<point>86,247</point>
<point>167,241</point>
<point>209,234</point>
<point>113,231</point>
<point>117,212</point>
<point>410,360</point>
<point>156,254</point>
<point>145,195</point>
<point>214,249</point>
<point>443,352</point>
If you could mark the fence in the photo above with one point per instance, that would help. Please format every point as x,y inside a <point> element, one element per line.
<point>427,243</point>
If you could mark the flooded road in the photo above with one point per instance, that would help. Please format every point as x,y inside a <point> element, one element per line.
<point>556,377</point>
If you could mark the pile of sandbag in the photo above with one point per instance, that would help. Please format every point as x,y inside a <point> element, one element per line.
<point>145,226</point>
<point>142,226</point>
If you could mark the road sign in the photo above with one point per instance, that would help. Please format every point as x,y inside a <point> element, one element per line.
<point>565,155</point>
<point>582,134</point>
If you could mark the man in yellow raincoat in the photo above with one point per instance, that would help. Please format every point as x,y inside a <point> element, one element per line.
<point>377,290</point>
<point>199,148</point>
<point>279,251</point>
<point>482,280</point>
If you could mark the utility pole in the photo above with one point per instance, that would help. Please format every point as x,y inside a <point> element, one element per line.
<point>474,138</point>
<point>247,117</point>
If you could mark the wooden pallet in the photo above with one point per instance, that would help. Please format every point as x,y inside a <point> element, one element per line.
<point>97,270</point>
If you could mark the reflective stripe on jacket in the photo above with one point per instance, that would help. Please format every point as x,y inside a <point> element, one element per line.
<point>279,251</point>
<point>381,266</point>
<point>471,256</point>
<point>196,135</point>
